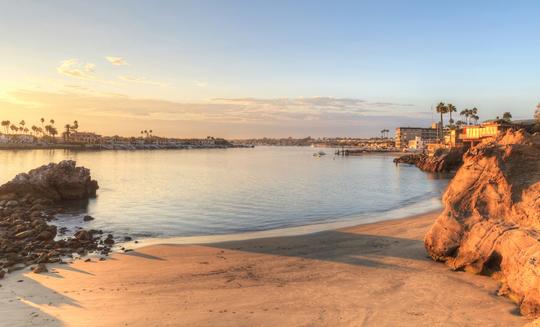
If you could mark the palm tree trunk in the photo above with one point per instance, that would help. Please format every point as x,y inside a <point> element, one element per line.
<point>441,136</point>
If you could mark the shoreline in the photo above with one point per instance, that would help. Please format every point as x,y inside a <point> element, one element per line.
<point>376,273</point>
<point>114,147</point>
<point>427,206</point>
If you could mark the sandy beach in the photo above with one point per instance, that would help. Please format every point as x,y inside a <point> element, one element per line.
<point>369,275</point>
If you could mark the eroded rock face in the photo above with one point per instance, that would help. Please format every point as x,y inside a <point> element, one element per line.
<point>491,220</point>
<point>54,182</point>
<point>446,161</point>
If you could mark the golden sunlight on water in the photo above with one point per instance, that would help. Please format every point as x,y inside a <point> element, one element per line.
<point>205,192</point>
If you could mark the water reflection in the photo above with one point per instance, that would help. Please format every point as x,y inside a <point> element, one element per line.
<point>200,192</point>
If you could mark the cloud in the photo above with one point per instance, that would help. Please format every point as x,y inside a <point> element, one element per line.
<point>239,117</point>
<point>324,109</point>
<point>119,61</point>
<point>201,84</point>
<point>312,108</point>
<point>72,68</point>
<point>142,80</point>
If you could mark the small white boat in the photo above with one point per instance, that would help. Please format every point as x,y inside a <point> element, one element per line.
<point>319,154</point>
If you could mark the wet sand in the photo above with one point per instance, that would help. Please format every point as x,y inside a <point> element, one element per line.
<point>368,275</point>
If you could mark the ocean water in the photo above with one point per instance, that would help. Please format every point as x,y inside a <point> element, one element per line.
<point>165,193</point>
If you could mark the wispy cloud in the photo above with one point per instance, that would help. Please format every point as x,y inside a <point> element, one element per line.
<point>235,117</point>
<point>72,68</point>
<point>201,83</point>
<point>323,109</point>
<point>142,80</point>
<point>116,60</point>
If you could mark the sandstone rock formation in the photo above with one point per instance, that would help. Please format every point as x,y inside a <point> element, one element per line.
<point>53,182</point>
<point>491,220</point>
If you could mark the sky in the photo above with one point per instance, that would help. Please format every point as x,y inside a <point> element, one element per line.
<point>239,69</point>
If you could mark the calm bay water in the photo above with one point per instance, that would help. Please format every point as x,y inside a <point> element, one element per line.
<point>204,192</point>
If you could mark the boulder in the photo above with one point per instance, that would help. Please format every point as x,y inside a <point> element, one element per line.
<point>40,268</point>
<point>52,182</point>
<point>491,220</point>
<point>88,218</point>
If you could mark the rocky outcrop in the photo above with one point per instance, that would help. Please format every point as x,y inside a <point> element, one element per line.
<point>442,161</point>
<point>491,220</point>
<point>26,207</point>
<point>53,182</point>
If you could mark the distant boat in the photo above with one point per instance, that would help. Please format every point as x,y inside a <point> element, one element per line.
<point>319,154</point>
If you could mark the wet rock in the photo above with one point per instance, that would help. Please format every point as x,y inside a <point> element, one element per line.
<point>40,268</point>
<point>83,235</point>
<point>88,218</point>
<point>127,238</point>
<point>109,240</point>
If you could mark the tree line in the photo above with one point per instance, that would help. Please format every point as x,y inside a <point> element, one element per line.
<point>49,129</point>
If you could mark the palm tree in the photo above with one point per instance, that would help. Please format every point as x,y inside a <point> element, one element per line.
<point>14,128</point>
<point>51,130</point>
<point>22,123</point>
<point>5,124</point>
<point>34,130</point>
<point>67,133</point>
<point>442,109</point>
<point>465,113</point>
<point>507,116</point>
<point>474,115</point>
<point>451,109</point>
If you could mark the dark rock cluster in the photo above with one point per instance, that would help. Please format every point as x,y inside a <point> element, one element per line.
<point>442,161</point>
<point>29,202</point>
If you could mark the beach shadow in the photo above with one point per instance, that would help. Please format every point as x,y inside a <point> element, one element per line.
<point>70,268</point>
<point>336,246</point>
<point>20,302</point>
<point>142,255</point>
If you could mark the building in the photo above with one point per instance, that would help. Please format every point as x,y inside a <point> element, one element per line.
<point>17,139</point>
<point>82,137</point>
<point>474,134</point>
<point>416,144</point>
<point>406,134</point>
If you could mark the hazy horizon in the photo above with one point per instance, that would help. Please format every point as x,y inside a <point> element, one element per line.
<point>250,69</point>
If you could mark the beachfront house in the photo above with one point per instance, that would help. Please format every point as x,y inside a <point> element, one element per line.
<point>489,130</point>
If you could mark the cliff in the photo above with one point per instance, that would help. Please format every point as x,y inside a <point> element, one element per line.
<point>491,221</point>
